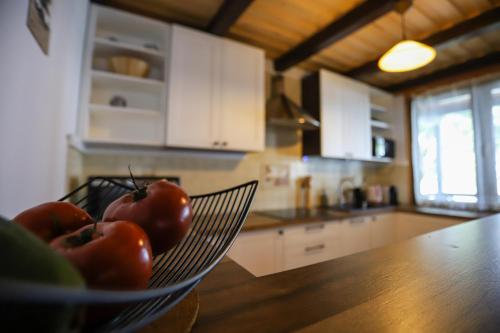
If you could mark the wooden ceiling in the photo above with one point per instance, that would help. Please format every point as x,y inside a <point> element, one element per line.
<point>277,26</point>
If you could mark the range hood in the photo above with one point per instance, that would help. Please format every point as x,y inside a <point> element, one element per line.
<point>282,111</point>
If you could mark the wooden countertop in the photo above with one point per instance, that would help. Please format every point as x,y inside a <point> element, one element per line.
<point>444,281</point>
<point>257,221</point>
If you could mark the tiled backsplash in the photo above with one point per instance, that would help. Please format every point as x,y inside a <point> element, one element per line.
<point>206,172</point>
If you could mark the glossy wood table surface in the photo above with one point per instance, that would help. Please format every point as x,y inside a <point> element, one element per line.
<point>445,281</point>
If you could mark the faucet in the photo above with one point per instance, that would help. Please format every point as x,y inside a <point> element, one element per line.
<point>343,181</point>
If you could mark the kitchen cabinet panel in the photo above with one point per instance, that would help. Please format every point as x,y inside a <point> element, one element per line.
<point>259,252</point>
<point>242,116</point>
<point>355,235</point>
<point>411,225</point>
<point>190,109</point>
<point>345,117</point>
<point>309,253</point>
<point>307,245</point>
<point>382,230</point>
<point>216,98</point>
<point>332,131</point>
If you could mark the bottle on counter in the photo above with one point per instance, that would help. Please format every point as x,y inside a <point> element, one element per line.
<point>393,196</point>
<point>323,199</point>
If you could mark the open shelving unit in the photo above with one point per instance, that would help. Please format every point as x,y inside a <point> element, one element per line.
<point>141,121</point>
<point>381,105</point>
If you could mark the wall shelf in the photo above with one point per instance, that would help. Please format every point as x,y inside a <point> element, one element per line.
<point>123,110</point>
<point>379,124</point>
<point>106,43</point>
<point>125,79</point>
<point>104,49</point>
<point>378,108</point>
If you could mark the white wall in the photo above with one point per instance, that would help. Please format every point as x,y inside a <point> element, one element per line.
<point>38,102</point>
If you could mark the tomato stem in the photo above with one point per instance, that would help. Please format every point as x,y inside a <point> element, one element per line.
<point>140,192</point>
<point>133,178</point>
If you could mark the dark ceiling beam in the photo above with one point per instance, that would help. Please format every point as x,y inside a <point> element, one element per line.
<point>228,13</point>
<point>487,61</point>
<point>367,12</point>
<point>480,24</point>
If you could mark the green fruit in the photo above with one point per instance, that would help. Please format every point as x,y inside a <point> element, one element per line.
<point>24,257</point>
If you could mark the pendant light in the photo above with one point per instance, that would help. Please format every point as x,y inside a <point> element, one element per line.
<point>406,55</point>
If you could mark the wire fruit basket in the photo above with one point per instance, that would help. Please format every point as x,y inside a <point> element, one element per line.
<point>217,220</point>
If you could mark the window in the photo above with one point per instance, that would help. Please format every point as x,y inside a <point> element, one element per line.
<point>495,109</point>
<point>456,147</point>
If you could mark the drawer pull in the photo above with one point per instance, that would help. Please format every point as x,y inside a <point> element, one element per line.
<point>358,220</point>
<point>315,227</point>
<point>315,248</point>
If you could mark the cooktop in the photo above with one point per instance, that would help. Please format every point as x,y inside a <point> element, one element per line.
<point>296,213</point>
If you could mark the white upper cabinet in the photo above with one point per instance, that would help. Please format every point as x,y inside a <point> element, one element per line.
<point>345,117</point>
<point>201,91</point>
<point>190,103</point>
<point>216,96</point>
<point>242,100</point>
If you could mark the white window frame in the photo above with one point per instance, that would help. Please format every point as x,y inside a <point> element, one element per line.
<point>481,104</point>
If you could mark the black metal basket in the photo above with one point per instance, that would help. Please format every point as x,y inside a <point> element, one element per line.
<point>217,220</point>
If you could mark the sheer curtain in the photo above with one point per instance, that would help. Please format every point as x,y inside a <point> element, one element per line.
<point>456,146</point>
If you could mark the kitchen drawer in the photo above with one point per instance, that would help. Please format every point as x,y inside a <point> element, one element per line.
<point>311,232</point>
<point>356,235</point>
<point>310,253</point>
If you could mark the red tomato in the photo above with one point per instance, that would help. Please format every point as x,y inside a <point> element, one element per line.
<point>53,219</point>
<point>162,209</point>
<point>111,256</point>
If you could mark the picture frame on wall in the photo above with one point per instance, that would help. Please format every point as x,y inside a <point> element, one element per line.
<point>38,22</point>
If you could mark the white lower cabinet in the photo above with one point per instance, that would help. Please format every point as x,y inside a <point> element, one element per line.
<point>355,235</point>
<point>275,250</point>
<point>259,252</point>
<point>306,245</point>
<point>382,230</point>
<point>412,225</point>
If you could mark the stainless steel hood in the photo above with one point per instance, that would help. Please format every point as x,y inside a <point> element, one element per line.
<point>282,111</point>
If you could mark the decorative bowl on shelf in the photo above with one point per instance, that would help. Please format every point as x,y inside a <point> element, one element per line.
<point>217,221</point>
<point>129,66</point>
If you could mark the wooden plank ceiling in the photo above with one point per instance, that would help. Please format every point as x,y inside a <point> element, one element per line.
<point>279,25</point>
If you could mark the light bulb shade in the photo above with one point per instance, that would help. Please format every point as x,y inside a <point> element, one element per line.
<point>405,56</point>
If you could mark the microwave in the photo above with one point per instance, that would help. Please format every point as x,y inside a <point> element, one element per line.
<point>383,147</point>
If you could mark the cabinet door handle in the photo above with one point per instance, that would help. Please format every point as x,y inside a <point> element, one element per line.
<point>216,143</point>
<point>224,143</point>
<point>314,227</point>
<point>280,232</point>
<point>318,247</point>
